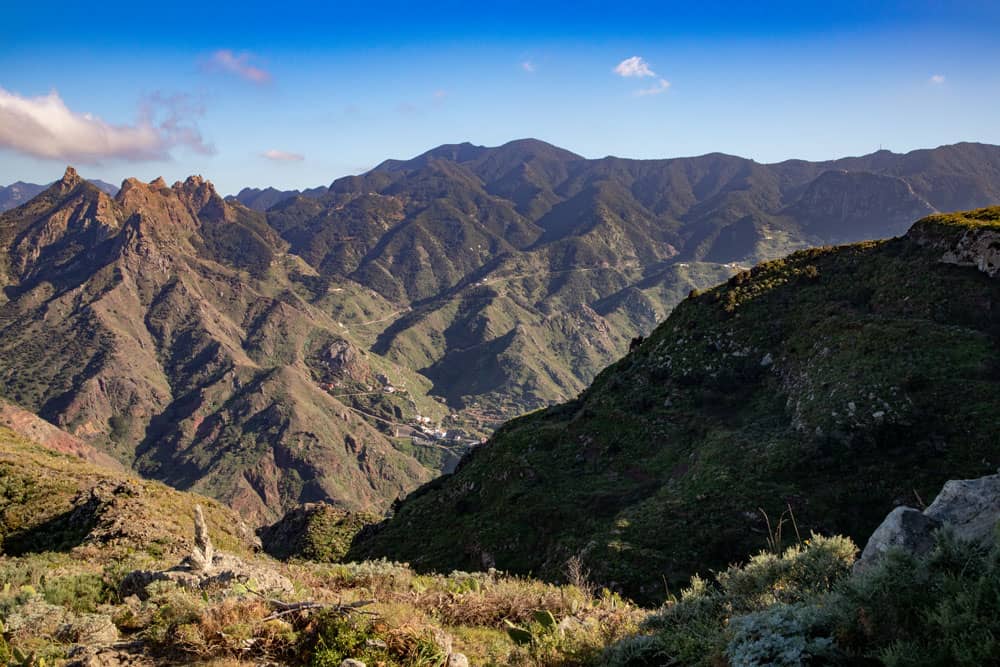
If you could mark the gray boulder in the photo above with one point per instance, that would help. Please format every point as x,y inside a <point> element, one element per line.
<point>905,528</point>
<point>968,508</point>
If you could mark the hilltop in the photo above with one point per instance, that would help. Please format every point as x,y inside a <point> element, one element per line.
<point>823,388</point>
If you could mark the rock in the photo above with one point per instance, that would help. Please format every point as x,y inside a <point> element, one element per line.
<point>767,360</point>
<point>204,552</point>
<point>457,660</point>
<point>351,662</point>
<point>970,507</point>
<point>906,528</point>
<point>89,630</point>
<point>122,654</point>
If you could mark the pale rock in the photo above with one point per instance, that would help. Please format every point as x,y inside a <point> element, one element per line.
<point>970,507</point>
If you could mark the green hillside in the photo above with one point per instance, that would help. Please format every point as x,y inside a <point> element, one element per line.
<point>828,386</point>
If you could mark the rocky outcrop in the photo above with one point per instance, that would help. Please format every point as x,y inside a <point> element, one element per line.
<point>205,568</point>
<point>968,508</point>
<point>904,528</point>
<point>979,248</point>
<point>970,238</point>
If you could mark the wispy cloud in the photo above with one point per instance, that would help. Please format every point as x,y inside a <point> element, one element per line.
<point>528,66</point>
<point>634,67</point>
<point>937,79</point>
<point>44,127</point>
<point>282,156</point>
<point>225,60</point>
<point>661,86</point>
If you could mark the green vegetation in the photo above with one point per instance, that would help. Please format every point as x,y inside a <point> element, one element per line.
<point>802,608</point>
<point>835,383</point>
<point>316,532</point>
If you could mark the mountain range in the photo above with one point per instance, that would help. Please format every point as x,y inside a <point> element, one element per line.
<point>349,344</point>
<point>811,393</point>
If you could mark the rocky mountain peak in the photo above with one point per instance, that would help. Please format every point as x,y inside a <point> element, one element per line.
<point>70,177</point>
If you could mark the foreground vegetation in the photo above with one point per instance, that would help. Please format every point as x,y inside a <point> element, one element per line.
<point>72,532</point>
<point>799,607</point>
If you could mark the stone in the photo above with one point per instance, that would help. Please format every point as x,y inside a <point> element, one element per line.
<point>970,507</point>
<point>351,662</point>
<point>457,660</point>
<point>203,553</point>
<point>905,528</point>
<point>89,630</point>
<point>121,654</point>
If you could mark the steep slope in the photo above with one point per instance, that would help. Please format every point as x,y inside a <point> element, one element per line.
<point>51,501</point>
<point>31,427</point>
<point>536,266</point>
<point>823,388</point>
<point>162,326</point>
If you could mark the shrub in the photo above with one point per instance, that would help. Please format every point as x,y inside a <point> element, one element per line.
<point>940,609</point>
<point>80,593</point>
<point>781,635</point>
<point>695,628</point>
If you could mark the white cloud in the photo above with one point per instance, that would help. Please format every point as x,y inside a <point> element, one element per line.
<point>634,66</point>
<point>528,66</point>
<point>239,64</point>
<point>44,127</point>
<point>661,87</point>
<point>937,79</point>
<point>282,156</point>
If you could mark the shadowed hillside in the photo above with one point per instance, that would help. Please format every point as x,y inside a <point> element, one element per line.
<point>827,387</point>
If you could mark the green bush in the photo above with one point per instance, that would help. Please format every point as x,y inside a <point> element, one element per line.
<point>803,608</point>
<point>781,635</point>
<point>695,629</point>
<point>941,609</point>
<point>80,593</point>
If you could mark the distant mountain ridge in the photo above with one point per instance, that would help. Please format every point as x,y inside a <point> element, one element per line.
<point>262,199</point>
<point>529,251</point>
<point>15,194</point>
<point>162,327</point>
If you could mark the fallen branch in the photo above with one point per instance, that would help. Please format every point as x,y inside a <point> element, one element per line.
<point>282,608</point>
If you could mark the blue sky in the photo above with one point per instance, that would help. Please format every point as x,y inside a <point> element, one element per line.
<point>328,89</point>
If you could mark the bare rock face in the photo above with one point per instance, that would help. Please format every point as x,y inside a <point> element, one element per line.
<point>979,248</point>
<point>969,508</point>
